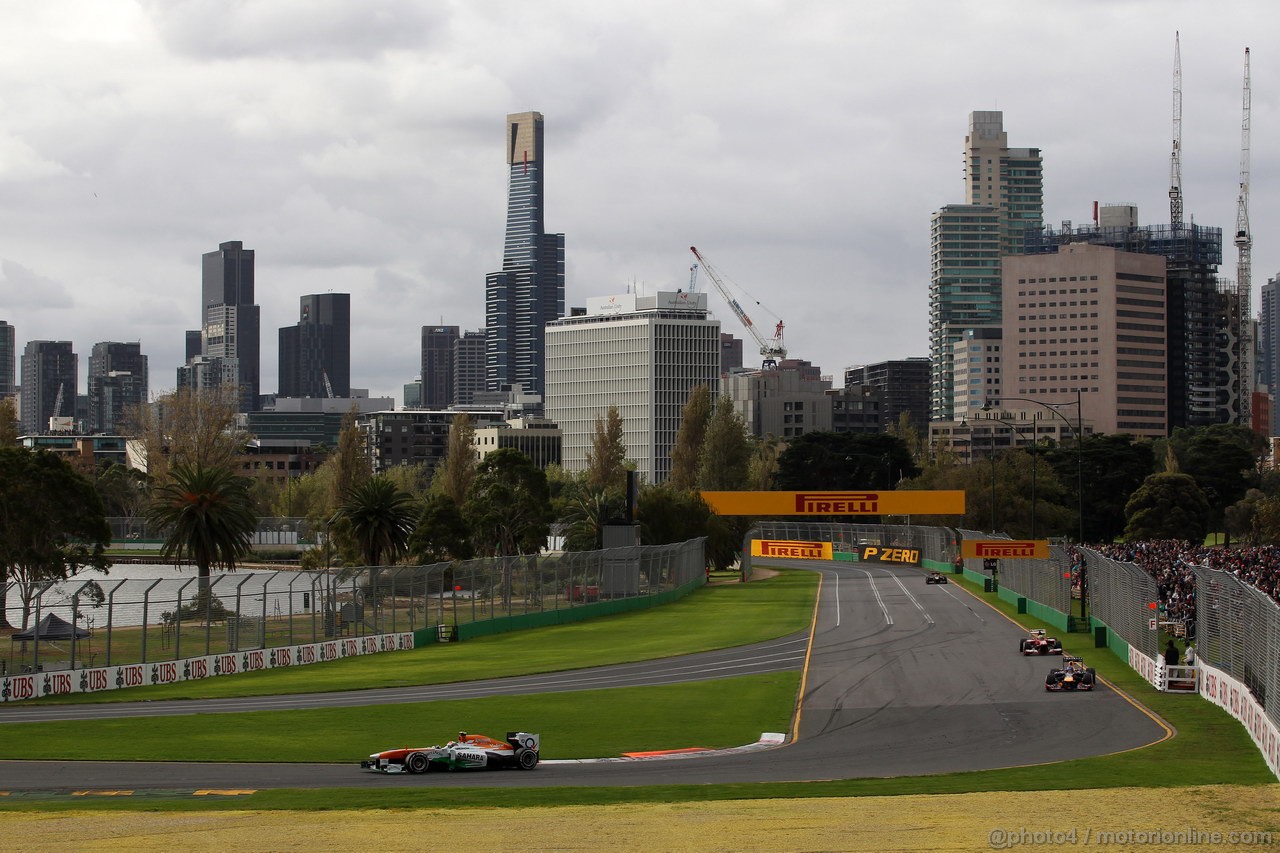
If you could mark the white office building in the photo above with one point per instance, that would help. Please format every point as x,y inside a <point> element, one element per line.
<point>640,354</point>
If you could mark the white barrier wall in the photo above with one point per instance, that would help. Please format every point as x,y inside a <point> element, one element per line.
<point>1232,696</point>
<point>14,688</point>
<point>1144,665</point>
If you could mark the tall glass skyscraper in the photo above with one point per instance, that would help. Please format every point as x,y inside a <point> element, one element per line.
<point>118,381</point>
<point>8,360</point>
<point>230,321</point>
<point>315,354</point>
<point>49,374</point>
<point>528,292</point>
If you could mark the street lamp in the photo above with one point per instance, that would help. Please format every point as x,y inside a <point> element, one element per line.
<point>1033,466</point>
<point>964,424</point>
<point>1077,430</point>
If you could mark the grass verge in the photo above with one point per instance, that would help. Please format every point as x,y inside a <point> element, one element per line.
<point>712,714</point>
<point>714,617</point>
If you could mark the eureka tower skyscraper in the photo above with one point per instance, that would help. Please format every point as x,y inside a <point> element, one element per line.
<point>528,292</point>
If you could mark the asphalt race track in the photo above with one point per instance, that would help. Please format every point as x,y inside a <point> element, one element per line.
<point>904,678</point>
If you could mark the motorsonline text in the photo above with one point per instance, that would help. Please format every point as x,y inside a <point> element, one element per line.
<point>1008,839</point>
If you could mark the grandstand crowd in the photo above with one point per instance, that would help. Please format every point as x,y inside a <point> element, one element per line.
<point>1170,562</point>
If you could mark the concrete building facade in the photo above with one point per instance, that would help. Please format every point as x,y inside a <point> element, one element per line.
<point>642,354</point>
<point>1094,319</point>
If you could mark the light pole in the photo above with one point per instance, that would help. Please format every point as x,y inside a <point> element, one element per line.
<point>1033,467</point>
<point>964,424</point>
<point>1077,430</point>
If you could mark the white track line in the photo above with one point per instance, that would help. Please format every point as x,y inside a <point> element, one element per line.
<point>927,618</point>
<point>836,575</point>
<point>887,618</point>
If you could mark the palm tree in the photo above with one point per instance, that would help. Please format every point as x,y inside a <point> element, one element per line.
<point>382,517</point>
<point>207,515</point>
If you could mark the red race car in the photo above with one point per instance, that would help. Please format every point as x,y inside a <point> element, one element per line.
<point>1037,642</point>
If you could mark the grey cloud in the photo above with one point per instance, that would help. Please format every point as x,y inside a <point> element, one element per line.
<point>21,287</point>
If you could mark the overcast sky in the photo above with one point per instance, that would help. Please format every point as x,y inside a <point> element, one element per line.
<point>801,146</point>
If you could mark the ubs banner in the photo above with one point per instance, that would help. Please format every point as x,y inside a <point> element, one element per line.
<point>60,682</point>
<point>997,549</point>
<point>836,503</point>
<point>791,549</point>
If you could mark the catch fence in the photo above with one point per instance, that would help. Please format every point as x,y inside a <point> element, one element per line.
<point>95,621</point>
<point>937,545</point>
<point>1123,597</point>
<point>1238,632</point>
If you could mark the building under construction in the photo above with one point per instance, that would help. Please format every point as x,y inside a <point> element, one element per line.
<point>1205,363</point>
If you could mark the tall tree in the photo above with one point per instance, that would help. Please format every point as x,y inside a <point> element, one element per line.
<point>351,467</point>
<point>607,458</point>
<point>1112,467</point>
<point>458,468</point>
<point>9,427</point>
<point>694,419</point>
<point>1167,506</point>
<point>206,515</point>
<point>762,470</point>
<point>725,451</point>
<point>51,524</point>
<point>508,509</point>
<point>381,516</point>
<point>828,460</point>
<point>1223,459</point>
<point>441,533</point>
<point>189,427</point>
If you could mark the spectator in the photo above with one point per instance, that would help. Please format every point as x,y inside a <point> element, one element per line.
<point>1171,654</point>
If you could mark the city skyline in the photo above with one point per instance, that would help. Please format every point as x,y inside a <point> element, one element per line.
<point>803,149</point>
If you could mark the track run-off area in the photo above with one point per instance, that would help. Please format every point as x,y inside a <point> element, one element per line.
<point>900,678</point>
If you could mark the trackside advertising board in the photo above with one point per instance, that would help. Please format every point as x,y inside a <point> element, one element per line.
<point>997,549</point>
<point>1236,699</point>
<point>791,549</point>
<point>886,554</point>
<point>836,503</point>
<point>15,688</point>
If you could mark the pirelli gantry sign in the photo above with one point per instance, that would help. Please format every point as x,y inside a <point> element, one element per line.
<point>836,503</point>
<point>996,549</point>
<point>791,549</point>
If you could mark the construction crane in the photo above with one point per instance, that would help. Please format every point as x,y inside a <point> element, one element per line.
<point>693,278</point>
<point>1244,263</point>
<point>1175,161</point>
<point>328,387</point>
<point>771,349</point>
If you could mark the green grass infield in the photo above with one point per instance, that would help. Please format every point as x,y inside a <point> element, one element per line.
<point>714,617</point>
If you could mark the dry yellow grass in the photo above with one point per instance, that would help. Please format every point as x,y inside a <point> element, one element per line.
<point>911,823</point>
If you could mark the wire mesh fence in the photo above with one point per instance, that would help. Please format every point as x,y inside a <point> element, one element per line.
<point>95,621</point>
<point>1123,596</point>
<point>1045,581</point>
<point>1238,630</point>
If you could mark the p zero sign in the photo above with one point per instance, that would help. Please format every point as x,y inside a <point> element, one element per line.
<point>882,554</point>
<point>999,549</point>
<point>836,503</point>
<point>791,549</point>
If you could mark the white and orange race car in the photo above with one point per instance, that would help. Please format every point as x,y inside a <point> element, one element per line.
<point>469,752</point>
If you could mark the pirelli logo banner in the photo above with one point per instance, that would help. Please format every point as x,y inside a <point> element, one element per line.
<point>792,550</point>
<point>836,503</point>
<point>898,556</point>
<point>995,549</point>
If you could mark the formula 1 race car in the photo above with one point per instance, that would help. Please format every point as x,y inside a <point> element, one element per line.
<point>468,752</point>
<point>1072,675</point>
<point>936,577</point>
<point>1037,642</point>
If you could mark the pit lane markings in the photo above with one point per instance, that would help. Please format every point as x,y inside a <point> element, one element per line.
<point>887,618</point>
<point>927,618</point>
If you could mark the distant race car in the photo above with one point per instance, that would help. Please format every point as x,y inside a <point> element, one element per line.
<point>469,752</point>
<point>936,577</point>
<point>1037,642</point>
<point>1072,675</point>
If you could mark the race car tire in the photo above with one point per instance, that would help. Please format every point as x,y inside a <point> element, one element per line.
<point>417,763</point>
<point>526,759</point>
